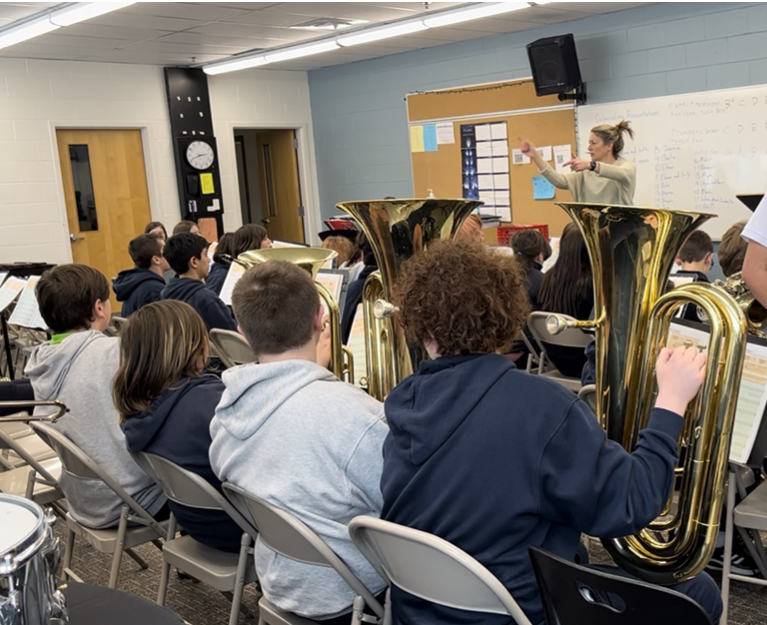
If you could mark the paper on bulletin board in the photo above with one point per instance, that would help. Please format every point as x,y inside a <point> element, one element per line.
<point>545,152</point>
<point>416,138</point>
<point>445,133</point>
<point>542,189</point>
<point>430,137</point>
<point>561,156</point>
<point>206,184</point>
<point>517,158</point>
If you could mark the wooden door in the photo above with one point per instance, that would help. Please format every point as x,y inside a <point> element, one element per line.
<point>280,189</point>
<point>106,196</point>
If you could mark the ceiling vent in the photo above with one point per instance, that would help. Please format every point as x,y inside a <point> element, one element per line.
<point>328,24</point>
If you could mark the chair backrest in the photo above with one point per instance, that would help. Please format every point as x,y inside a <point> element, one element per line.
<point>573,594</point>
<point>588,394</point>
<point>77,462</point>
<point>282,532</point>
<point>189,489</point>
<point>232,347</point>
<point>569,337</point>
<point>431,568</point>
<point>116,324</point>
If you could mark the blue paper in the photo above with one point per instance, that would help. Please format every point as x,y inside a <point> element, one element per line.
<point>430,137</point>
<point>542,189</point>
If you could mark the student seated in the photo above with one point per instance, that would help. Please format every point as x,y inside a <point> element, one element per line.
<point>250,237</point>
<point>694,259</point>
<point>186,226</point>
<point>354,290</point>
<point>220,267</point>
<point>732,249</point>
<point>166,404</point>
<point>530,250</point>
<point>144,283</point>
<point>493,459</point>
<point>76,367</point>
<point>156,227</point>
<point>290,432</point>
<point>187,254</point>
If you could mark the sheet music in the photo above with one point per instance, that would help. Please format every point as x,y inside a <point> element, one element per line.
<point>27,312</point>
<point>232,277</point>
<point>752,395</point>
<point>356,344</point>
<point>3,276</point>
<point>10,291</point>
<point>333,282</point>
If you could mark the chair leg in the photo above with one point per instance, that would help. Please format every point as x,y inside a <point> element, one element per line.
<point>137,558</point>
<point>239,581</point>
<point>68,550</point>
<point>119,546</point>
<point>165,574</point>
<point>387,608</point>
<point>728,537</point>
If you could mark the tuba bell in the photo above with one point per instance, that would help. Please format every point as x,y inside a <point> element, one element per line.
<point>397,229</point>
<point>311,259</point>
<point>632,251</point>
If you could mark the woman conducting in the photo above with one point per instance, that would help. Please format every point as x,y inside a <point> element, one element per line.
<point>604,178</point>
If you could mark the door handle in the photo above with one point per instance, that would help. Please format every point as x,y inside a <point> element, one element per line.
<point>73,238</point>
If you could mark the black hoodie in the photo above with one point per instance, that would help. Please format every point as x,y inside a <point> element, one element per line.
<point>176,427</point>
<point>493,460</point>
<point>208,305</point>
<point>136,287</point>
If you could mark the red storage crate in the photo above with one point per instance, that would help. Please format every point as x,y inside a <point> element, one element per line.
<point>506,232</point>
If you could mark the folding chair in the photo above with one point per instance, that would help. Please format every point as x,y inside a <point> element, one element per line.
<point>570,337</point>
<point>431,568</point>
<point>226,572</point>
<point>282,532</point>
<point>573,594</point>
<point>231,347</point>
<point>144,527</point>
<point>588,394</point>
<point>115,325</point>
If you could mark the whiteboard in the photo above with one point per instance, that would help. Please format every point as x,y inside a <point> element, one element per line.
<point>695,151</point>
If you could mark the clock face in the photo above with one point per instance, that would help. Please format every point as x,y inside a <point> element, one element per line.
<point>200,155</point>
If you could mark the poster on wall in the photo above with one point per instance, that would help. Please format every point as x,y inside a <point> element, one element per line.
<point>485,167</point>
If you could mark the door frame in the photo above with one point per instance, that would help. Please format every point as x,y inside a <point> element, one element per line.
<point>307,168</point>
<point>152,187</point>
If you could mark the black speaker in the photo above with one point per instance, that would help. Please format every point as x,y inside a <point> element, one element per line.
<point>554,63</point>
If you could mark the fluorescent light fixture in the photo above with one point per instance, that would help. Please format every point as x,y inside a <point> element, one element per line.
<point>299,51</point>
<point>27,30</point>
<point>472,12</point>
<point>81,11</point>
<point>376,34</point>
<point>236,64</point>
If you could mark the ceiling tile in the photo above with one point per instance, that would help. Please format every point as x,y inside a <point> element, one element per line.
<point>205,11</point>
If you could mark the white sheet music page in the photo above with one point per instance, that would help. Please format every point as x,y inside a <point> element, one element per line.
<point>27,312</point>
<point>3,276</point>
<point>232,277</point>
<point>10,291</point>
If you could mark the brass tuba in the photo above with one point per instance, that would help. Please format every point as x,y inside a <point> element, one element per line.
<point>397,229</point>
<point>756,314</point>
<point>311,259</point>
<point>632,251</point>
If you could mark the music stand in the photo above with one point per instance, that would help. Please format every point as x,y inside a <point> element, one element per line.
<point>751,201</point>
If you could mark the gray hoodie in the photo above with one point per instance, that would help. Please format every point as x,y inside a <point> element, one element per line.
<point>79,371</point>
<point>293,434</point>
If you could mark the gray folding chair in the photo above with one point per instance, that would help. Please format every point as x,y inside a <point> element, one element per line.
<point>226,572</point>
<point>231,347</point>
<point>570,337</point>
<point>116,324</point>
<point>144,528</point>
<point>431,568</point>
<point>282,532</point>
<point>588,394</point>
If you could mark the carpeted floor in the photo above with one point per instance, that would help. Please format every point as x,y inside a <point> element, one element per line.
<point>200,604</point>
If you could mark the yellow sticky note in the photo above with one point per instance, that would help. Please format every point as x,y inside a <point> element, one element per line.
<point>416,138</point>
<point>206,184</point>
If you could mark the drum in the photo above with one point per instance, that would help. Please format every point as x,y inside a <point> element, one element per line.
<point>29,557</point>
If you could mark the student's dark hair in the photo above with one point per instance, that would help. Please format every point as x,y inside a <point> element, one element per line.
<point>608,133</point>
<point>156,224</point>
<point>66,295</point>
<point>732,249</point>
<point>469,298</point>
<point>696,247</point>
<point>363,251</point>
<point>225,247</point>
<point>566,283</point>
<point>528,245</point>
<point>183,226</point>
<point>181,248</point>
<point>160,344</point>
<point>249,237</point>
<point>143,249</point>
<point>275,304</point>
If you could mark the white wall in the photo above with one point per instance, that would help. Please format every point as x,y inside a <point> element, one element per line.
<point>36,97</point>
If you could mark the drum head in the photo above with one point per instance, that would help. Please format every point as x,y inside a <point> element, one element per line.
<point>21,523</point>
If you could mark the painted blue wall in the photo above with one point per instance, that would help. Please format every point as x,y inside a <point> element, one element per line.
<point>358,109</point>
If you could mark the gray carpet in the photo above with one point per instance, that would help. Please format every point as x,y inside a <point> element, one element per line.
<point>200,604</point>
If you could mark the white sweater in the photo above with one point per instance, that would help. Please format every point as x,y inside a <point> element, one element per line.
<point>614,184</point>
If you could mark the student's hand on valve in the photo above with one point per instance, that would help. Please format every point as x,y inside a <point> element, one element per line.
<point>680,373</point>
<point>323,346</point>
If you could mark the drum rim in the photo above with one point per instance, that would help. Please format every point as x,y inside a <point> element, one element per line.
<point>35,532</point>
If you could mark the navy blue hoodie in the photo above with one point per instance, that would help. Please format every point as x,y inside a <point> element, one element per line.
<point>217,276</point>
<point>208,305</point>
<point>177,427</point>
<point>136,287</point>
<point>493,460</point>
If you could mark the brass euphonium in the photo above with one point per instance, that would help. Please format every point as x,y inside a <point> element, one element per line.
<point>311,259</point>
<point>756,314</point>
<point>397,229</point>
<point>632,251</point>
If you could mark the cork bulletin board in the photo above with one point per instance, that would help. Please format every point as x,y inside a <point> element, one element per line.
<point>543,120</point>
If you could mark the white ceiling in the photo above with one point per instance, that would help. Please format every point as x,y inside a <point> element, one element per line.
<point>186,33</point>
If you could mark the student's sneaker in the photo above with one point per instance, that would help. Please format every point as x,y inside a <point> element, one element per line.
<point>740,564</point>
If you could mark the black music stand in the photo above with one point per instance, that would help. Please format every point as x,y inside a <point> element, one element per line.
<point>751,201</point>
